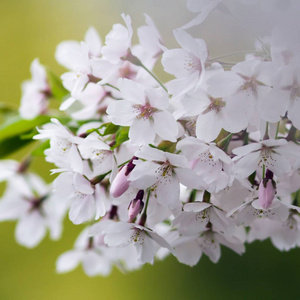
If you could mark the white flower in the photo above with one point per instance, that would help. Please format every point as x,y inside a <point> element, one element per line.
<point>79,58</point>
<point>196,216</point>
<point>247,84</point>
<point>273,154</point>
<point>251,210</point>
<point>211,164</point>
<point>85,104</point>
<point>63,150</point>
<point>98,152</point>
<point>186,64</point>
<point>188,250</point>
<point>146,241</point>
<point>145,110</point>
<point>162,172</point>
<point>86,202</point>
<point>203,8</point>
<point>90,252</point>
<point>35,92</point>
<point>28,201</point>
<point>118,41</point>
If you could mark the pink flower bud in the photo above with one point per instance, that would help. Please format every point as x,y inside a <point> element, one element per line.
<point>136,206</point>
<point>120,184</point>
<point>266,193</point>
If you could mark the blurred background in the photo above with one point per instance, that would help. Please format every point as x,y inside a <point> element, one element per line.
<point>32,28</point>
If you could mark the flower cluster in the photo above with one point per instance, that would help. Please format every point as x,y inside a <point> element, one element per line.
<point>210,158</point>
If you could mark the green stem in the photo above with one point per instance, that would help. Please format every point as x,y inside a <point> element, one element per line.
<point>246,138</point>
<point>99,178</point>
<point>157,80</point>
<point>263,171</point>
<point>231,54</point>
<point>112,86</point>
<point>277,130</point>
<point>192,195</point>
<point>206,197</point>
<point>143,218</point>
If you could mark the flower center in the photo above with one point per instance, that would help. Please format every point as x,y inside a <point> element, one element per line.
<point>216,104</point>
<point>250,85</point>
<point>145,111</point>
<point>192,63</point>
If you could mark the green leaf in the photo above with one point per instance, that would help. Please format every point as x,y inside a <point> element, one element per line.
<point>111,129</point>
<point>17,126</point>
<point>121,136</point>
<point>167,146</point>
<point>11,145</point>
<point>57,89</point>
<point>39,151</point>
<point>29,135</point>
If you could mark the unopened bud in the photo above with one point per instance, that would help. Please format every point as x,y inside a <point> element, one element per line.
<point>121,184</point>
<point>266,192</point>
<point>136,206</point>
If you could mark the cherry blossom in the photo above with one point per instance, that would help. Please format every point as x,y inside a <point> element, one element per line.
<point>35,92</point>
<point>145,111</point>
<point>186,64</point>
<point>208,156</point>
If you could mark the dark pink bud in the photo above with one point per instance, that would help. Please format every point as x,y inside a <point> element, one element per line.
<point>136,206</point>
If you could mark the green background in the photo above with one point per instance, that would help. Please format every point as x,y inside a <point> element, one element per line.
<point>32,28</point>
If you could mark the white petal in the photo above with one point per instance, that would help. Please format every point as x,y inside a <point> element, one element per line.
<point>141,132</point>
<point>82,184</point>
<point>149,153</point>
<point>132,91</point>
<point>196,206</point>
<point>93,41</point>
<point>82,210</point>
<point>147,249</point>
<point>121,112</point>
<point>144,174</point>
<point>273,105</point>
<point>165,125</point>
<point>68,261</point>
<point>93,264</point>
<point>247,165</point>
<point>188,253</point>
<point>30,229</point>
<point>294,112</point>
<point>208,126</point>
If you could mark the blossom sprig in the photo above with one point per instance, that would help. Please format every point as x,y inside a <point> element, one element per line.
<point>210,158</point>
